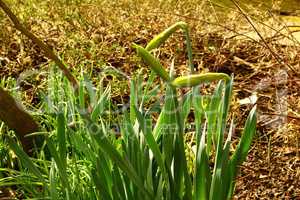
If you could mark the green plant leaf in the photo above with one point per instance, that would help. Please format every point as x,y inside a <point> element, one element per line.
<point>114,155</point>
<point>242,149</point>
<point>90,89</point>
<point>53,183</point>
<point>99,108</point>
<point>62,167</point>
<point>152,143</point>
<point>211,114</point>
<point>25,159</point>
<point>61,137</point>
<point>202,173</point>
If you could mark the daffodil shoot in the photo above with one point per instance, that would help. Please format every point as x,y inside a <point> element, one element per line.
<point>153,62</point>
<point>196,79</point>
<point>163,36</point>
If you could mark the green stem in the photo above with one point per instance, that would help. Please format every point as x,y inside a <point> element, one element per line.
<point>187,179</point>
<point>189,49</point>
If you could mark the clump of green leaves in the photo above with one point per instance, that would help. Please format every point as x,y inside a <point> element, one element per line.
<point>217,183</point>
<point>83,159</point>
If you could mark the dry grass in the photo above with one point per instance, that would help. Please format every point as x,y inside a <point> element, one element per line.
<point>92,36</point>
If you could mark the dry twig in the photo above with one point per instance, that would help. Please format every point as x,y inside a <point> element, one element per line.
<point>277,57</point>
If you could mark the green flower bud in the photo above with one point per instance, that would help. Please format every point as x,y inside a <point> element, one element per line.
<point>196,79</point>
<point>163,36</point>
<point>154,63</point>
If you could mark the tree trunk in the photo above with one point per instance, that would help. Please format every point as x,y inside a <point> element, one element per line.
<point>14,116</point>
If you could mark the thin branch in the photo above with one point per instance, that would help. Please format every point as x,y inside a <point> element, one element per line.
<point>281,115</point>
<point>279,60</point>
<point>48,52</point>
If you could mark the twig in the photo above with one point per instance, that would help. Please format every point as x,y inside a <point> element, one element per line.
<point>286,27</point>
<point>282,115</point>
<point>279,60</point>
<point>260,22</point>
<point>210,23</point>
<point>48,52</point>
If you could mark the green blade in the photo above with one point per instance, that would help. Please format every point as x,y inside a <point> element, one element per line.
<point>90,89</point>
<point>62,168</point>
<point>152,143</point>
<point>226,179</point>
<point>61,137</point>
<point>242,149</point>
<point>25,159</point>
<point>53,183</point>
<point>100,106</point>
<point>203,174</point>
<point>114,155</point>
<point>212,113</point>
<point>133,100</point>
